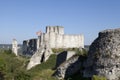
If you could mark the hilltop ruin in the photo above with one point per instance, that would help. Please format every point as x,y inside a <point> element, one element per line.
<point>55,38</point>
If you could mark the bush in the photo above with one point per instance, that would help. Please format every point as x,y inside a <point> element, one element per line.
<point>10,65</point>
<point>82,52</point>
<point>58,50</point>
<point>22,75</point>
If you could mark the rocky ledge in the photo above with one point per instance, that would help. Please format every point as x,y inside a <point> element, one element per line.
<point>104,56</point>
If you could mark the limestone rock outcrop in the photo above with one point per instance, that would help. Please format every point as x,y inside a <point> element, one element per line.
<point>63,56</point>
<point>41,55</point>
<point>68,68</point>
<point>104,56</point>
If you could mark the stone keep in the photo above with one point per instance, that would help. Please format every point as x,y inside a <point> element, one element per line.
<point>55,38</point>
<point>15,47</point>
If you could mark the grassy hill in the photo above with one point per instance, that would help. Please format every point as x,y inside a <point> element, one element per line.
<point>14,68</point>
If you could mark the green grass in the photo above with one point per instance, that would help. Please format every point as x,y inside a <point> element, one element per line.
<point>12,67</point>
<point>44,70</point>
<point>95,77</point>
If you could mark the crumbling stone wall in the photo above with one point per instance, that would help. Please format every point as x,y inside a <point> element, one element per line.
<point>55,38</point>
<point>29,46</point>
<point>15,47</point>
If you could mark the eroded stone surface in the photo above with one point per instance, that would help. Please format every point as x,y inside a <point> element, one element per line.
<point>41,55</point>
<point>63,56</point>
<point>104,55</point>
<point>69,67</point>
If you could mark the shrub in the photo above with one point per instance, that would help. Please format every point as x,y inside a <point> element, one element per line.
<point>58,50</point>
<point>22,75</point>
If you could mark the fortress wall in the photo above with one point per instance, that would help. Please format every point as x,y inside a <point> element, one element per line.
<point>15,47</point>
<point>59,41</point>
<point>51,29</point>
<point>47,29</point>
<point>60,30</point>
<point>81,41</point>
<point>64,41</point>
<point>56,30</point>
<point>55,37</point>
<point>46,38</point>
<point>24,45</point>
<point>73,41</point>
<point>38,42</point>
<point>32,44</point>
<point>52,39</point>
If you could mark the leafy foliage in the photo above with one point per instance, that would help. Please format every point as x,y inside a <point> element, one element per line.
<point>14,68</point>
<point>10,65</point>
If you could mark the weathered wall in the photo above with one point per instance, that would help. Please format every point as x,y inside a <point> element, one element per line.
<point>73,41</point>
<point>29,46</point>
<point>64,41</point>
<point>55,29</point>
<point>15,47</point>
<point>55,38</point>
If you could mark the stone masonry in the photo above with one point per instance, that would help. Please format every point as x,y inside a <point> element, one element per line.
<point>15,47</point>
<point>55,38</point>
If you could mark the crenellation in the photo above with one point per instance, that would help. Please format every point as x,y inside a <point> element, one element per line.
<point>56,30</point>
<point>60,30</point>
<point>47,29</point>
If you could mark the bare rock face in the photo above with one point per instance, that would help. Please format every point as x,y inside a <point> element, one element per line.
<point>63,56</point>
<point>41,55</point>
<point>104,56</point>
<point>68,68</point>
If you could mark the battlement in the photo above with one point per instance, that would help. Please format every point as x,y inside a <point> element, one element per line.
<point>55,29</point>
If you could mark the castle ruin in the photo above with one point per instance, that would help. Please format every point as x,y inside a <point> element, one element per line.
<point>15,47</point>
<point>55,38</point>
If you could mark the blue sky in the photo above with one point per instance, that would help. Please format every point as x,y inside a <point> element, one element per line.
<point>21,19</point>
